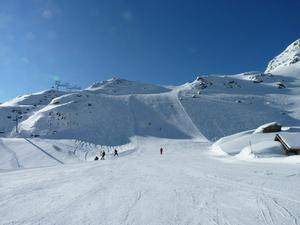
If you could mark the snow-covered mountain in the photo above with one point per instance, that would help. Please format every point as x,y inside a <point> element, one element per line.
<point>117,86</point>
<point>288,62</point>
<point>22,107</point>
<point>112,112</point>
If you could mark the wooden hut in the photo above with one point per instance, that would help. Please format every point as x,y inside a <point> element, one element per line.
<point>290,142</point>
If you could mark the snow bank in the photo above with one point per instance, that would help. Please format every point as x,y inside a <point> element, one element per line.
<point>245,154</point>
<point>252,145</point>
<point>216,150</point>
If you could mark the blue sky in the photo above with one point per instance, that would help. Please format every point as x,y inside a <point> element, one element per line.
<point>158,41</point>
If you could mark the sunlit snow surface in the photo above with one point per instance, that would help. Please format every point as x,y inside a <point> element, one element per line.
<point>186,185</point>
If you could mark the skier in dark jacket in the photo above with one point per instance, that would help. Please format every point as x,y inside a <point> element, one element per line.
<point>161,151</point>
<point>103,155</point>
<point>116,153</point>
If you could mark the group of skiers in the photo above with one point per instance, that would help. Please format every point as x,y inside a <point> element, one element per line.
<point>103,155</point>
<point>161,150</point>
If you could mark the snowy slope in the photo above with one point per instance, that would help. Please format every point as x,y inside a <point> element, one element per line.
<point>184,186</point>
<point>118,86</point>
<point>35,99</point>
<point>22,107</point>
<point>24,153</point>
<point>109,119</point>
<point>19,153</point>
<point>103,115</point>
<point>231,104</point>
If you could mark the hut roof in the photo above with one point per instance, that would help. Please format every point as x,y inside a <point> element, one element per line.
<point>292,140</point>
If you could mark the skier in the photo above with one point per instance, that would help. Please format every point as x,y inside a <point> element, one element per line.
<point>161,151</point>
<point>116,153</point>
<point>103,155</point>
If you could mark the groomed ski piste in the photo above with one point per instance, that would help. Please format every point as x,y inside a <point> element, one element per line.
<point>217,167</point>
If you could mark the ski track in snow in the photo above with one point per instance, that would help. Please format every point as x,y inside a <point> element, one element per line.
<point>42,150</point>
<point>14,161</point>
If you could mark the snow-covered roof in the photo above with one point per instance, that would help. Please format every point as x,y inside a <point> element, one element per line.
<point>262,127</point>
<point>292,140</point>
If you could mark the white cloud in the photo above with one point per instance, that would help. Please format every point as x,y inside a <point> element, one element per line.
<point>47,14</point>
